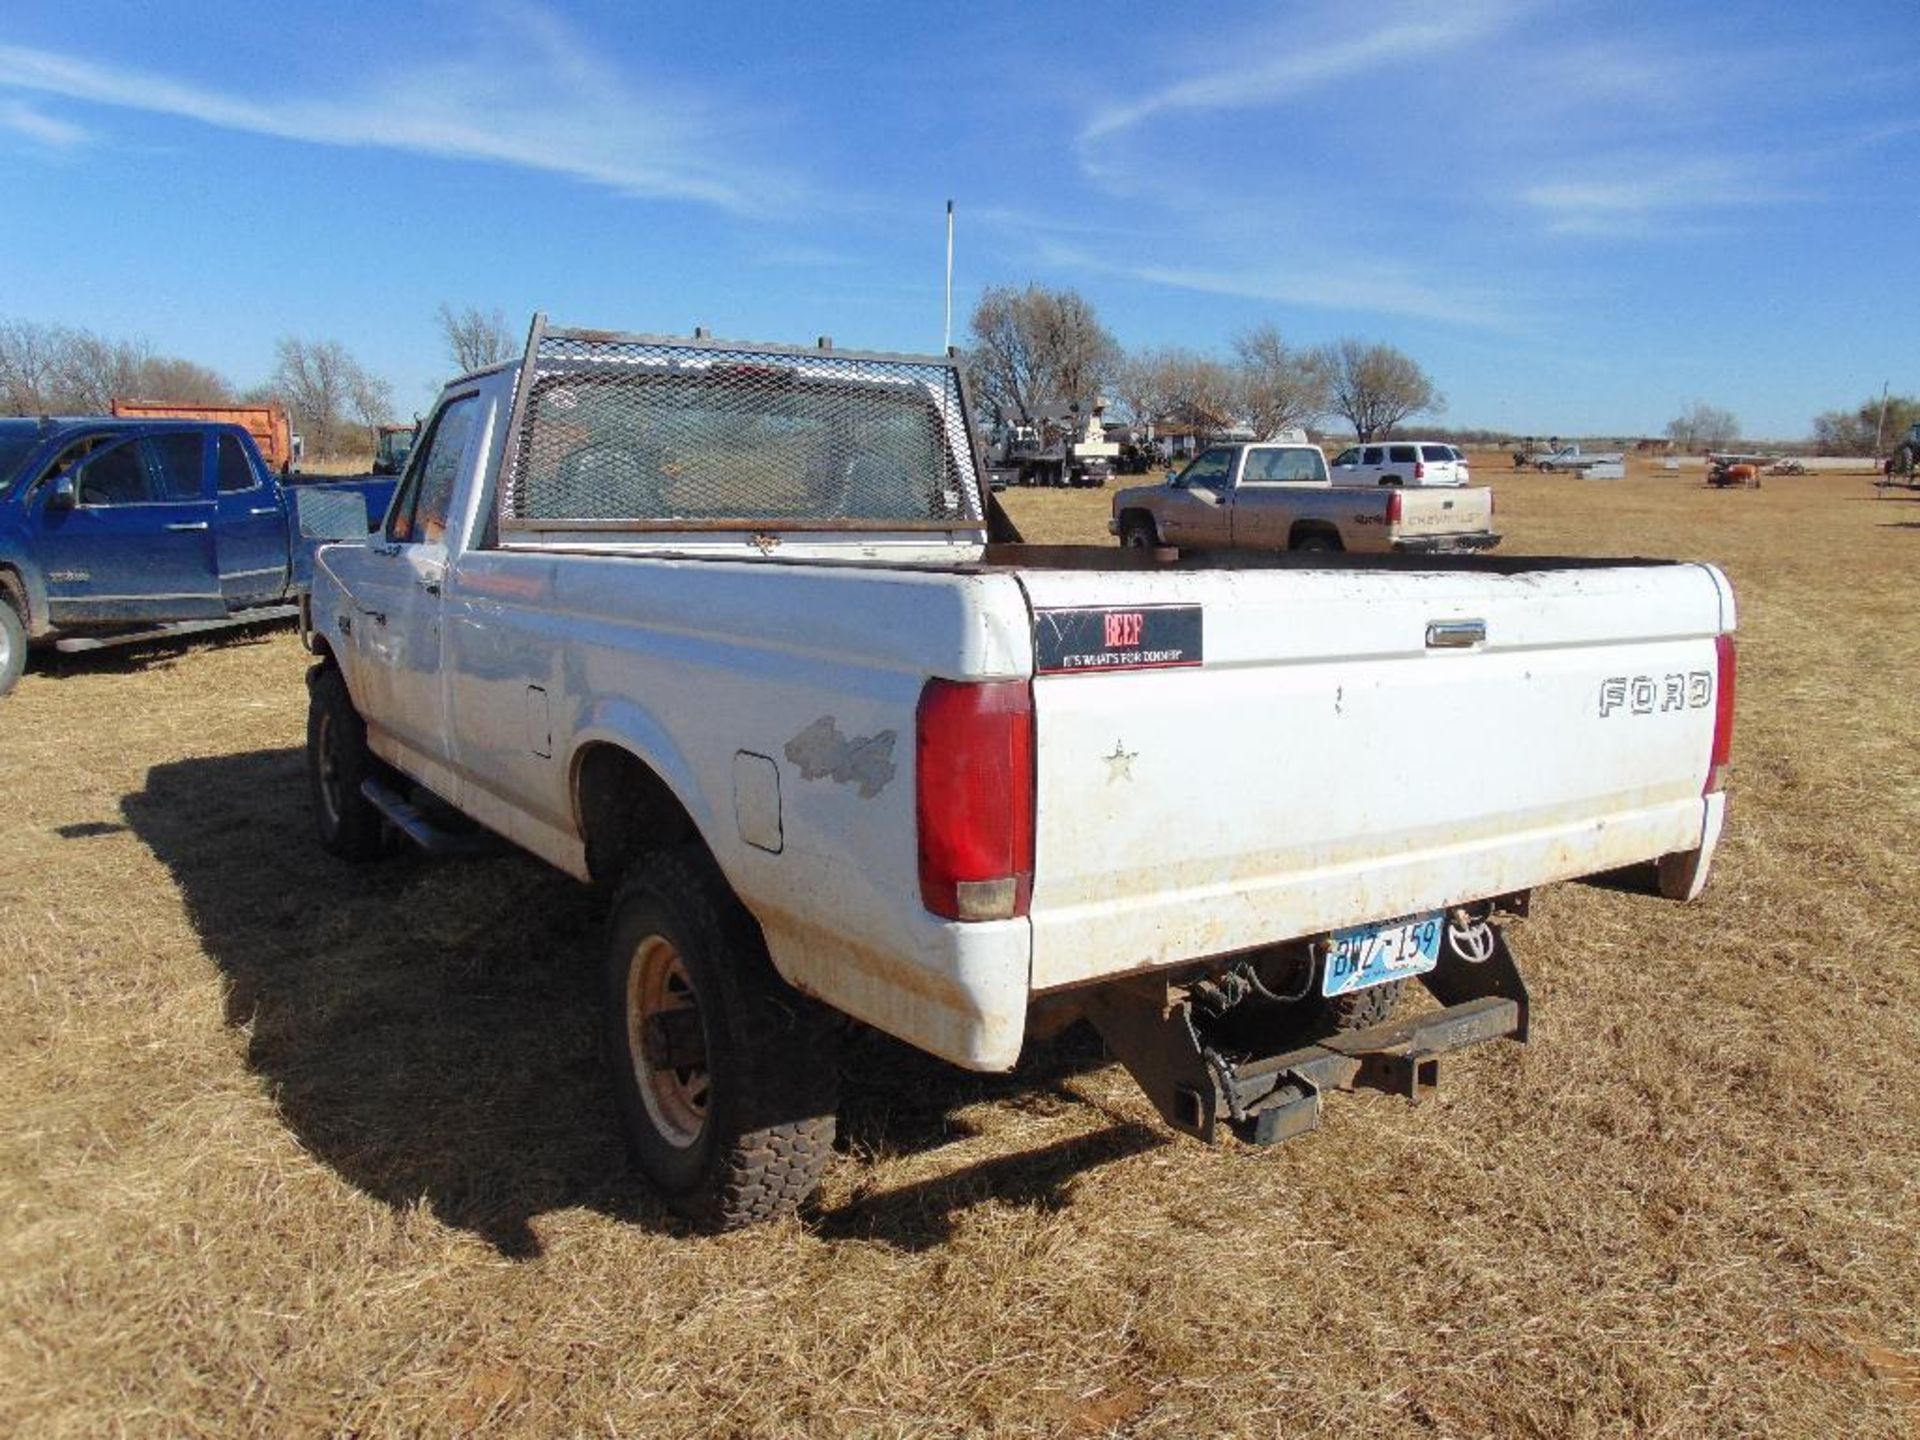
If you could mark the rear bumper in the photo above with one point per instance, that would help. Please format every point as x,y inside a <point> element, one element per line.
<point>1200,1085</point>
<point>1445,544</point>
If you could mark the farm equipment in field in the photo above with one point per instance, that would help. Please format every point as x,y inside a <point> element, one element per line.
<point>1067,446</point>
<point>1906,455</point>
<point>1902,466</point>
<point>393,443</point>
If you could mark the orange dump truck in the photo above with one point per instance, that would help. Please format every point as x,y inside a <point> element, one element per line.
<point>266,423</point>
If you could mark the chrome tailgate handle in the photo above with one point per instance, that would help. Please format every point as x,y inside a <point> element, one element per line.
<point>1455,634</point>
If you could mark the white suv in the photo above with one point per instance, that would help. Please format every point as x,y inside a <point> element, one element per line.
<point>1401,462</point>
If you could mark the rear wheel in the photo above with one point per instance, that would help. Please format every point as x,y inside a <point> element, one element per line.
<point>1315,542</point>
<point>726,1079</point>
<point>338,761</point>
<point>13,646</point>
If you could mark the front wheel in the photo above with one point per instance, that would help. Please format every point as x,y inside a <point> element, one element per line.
<point>338,761</point>
<point>726,1079</point>
<point>1137,533</point>
<point>13,646</point>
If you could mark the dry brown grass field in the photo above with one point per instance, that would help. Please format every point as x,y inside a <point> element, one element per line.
<point>289,1148</point>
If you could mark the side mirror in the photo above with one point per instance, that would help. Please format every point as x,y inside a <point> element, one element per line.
<point>1173,478</point>
<point>65,493</point>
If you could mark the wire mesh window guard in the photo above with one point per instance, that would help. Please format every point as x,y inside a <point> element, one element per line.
<point>643,433</point>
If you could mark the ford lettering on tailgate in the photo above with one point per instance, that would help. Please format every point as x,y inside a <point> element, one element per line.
<point>1109,638</point>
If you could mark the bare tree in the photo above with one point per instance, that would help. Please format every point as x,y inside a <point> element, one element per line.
<point>50,368</point>
<point>1375,387</point>
<point>1036,349</point>
<point>475,339</point>
<point>181,382</point>
<point>1703,424</point>
<point>1180,387</point>
<point>29,359</point>
<point>94,370</point>
<point>327,390</point>
<point>1281,388</point>
<point>1865,431</point>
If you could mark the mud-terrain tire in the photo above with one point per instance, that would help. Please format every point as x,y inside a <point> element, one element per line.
<point>337,761</point>
<point>13,646</point>
<point>742,1131</point>
<point>1137,533</point>
<point>1363,1009</point>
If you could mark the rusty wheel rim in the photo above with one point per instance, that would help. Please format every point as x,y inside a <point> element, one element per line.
<point>672,1078</point>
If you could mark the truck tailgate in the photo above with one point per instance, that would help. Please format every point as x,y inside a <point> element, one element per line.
<point>1326,764</point>
<point>1444,510</point>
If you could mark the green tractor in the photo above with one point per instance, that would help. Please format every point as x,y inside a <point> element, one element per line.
<point>393,443</point>
<point>1906,455</point>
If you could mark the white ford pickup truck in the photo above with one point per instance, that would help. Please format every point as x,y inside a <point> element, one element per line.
<point>738,633</point>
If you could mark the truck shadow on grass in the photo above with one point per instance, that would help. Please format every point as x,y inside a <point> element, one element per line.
<point>430,1031</point>
<point>151,653</point>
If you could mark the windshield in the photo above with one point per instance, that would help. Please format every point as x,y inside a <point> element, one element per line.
<point>14,448</point>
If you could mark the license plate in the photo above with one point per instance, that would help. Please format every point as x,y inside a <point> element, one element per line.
<point>1375,954</point>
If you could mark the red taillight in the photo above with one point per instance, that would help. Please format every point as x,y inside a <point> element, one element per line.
<point>1419,470</point>
<point>974,792</point>
<point>1394,508</point>
<point>1722,715</point>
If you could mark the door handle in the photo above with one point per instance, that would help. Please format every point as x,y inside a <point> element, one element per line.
<point>379,617</point>
<point>264,510</point>
<point>185,525</point>
<point>1455,634</point>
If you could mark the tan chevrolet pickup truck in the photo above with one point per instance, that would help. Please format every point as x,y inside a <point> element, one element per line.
<point>1278,497</point>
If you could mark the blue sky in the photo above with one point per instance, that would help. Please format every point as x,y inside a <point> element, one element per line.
<point>1578,217</point>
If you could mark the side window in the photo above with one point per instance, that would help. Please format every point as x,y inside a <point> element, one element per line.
<point>1373,456</point>
<point>235,470</point>
<point>426,494</point>
<point>115,477</point>
<point>179,462</point>
<point>1210,470</point>
<point>1403,454</point>
<point>1349,456</point>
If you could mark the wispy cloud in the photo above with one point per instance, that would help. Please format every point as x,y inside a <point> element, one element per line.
<point>534,97</point>
<point>1374,288</point>
<point>1277,68</point>
<point>1642,199</point>
<point>23,119</point>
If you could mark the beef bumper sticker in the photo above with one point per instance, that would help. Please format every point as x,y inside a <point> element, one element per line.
<point>1143,637</point>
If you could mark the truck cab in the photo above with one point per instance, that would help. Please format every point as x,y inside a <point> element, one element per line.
<point>110,526</point>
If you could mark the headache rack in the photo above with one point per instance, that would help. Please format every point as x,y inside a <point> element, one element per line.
<point>617,432</point>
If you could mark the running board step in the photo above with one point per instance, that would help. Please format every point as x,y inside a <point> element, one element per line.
<point>173,629</point>
<point>411,821</point>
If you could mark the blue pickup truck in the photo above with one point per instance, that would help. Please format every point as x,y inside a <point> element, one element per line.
<point>117,527</point>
